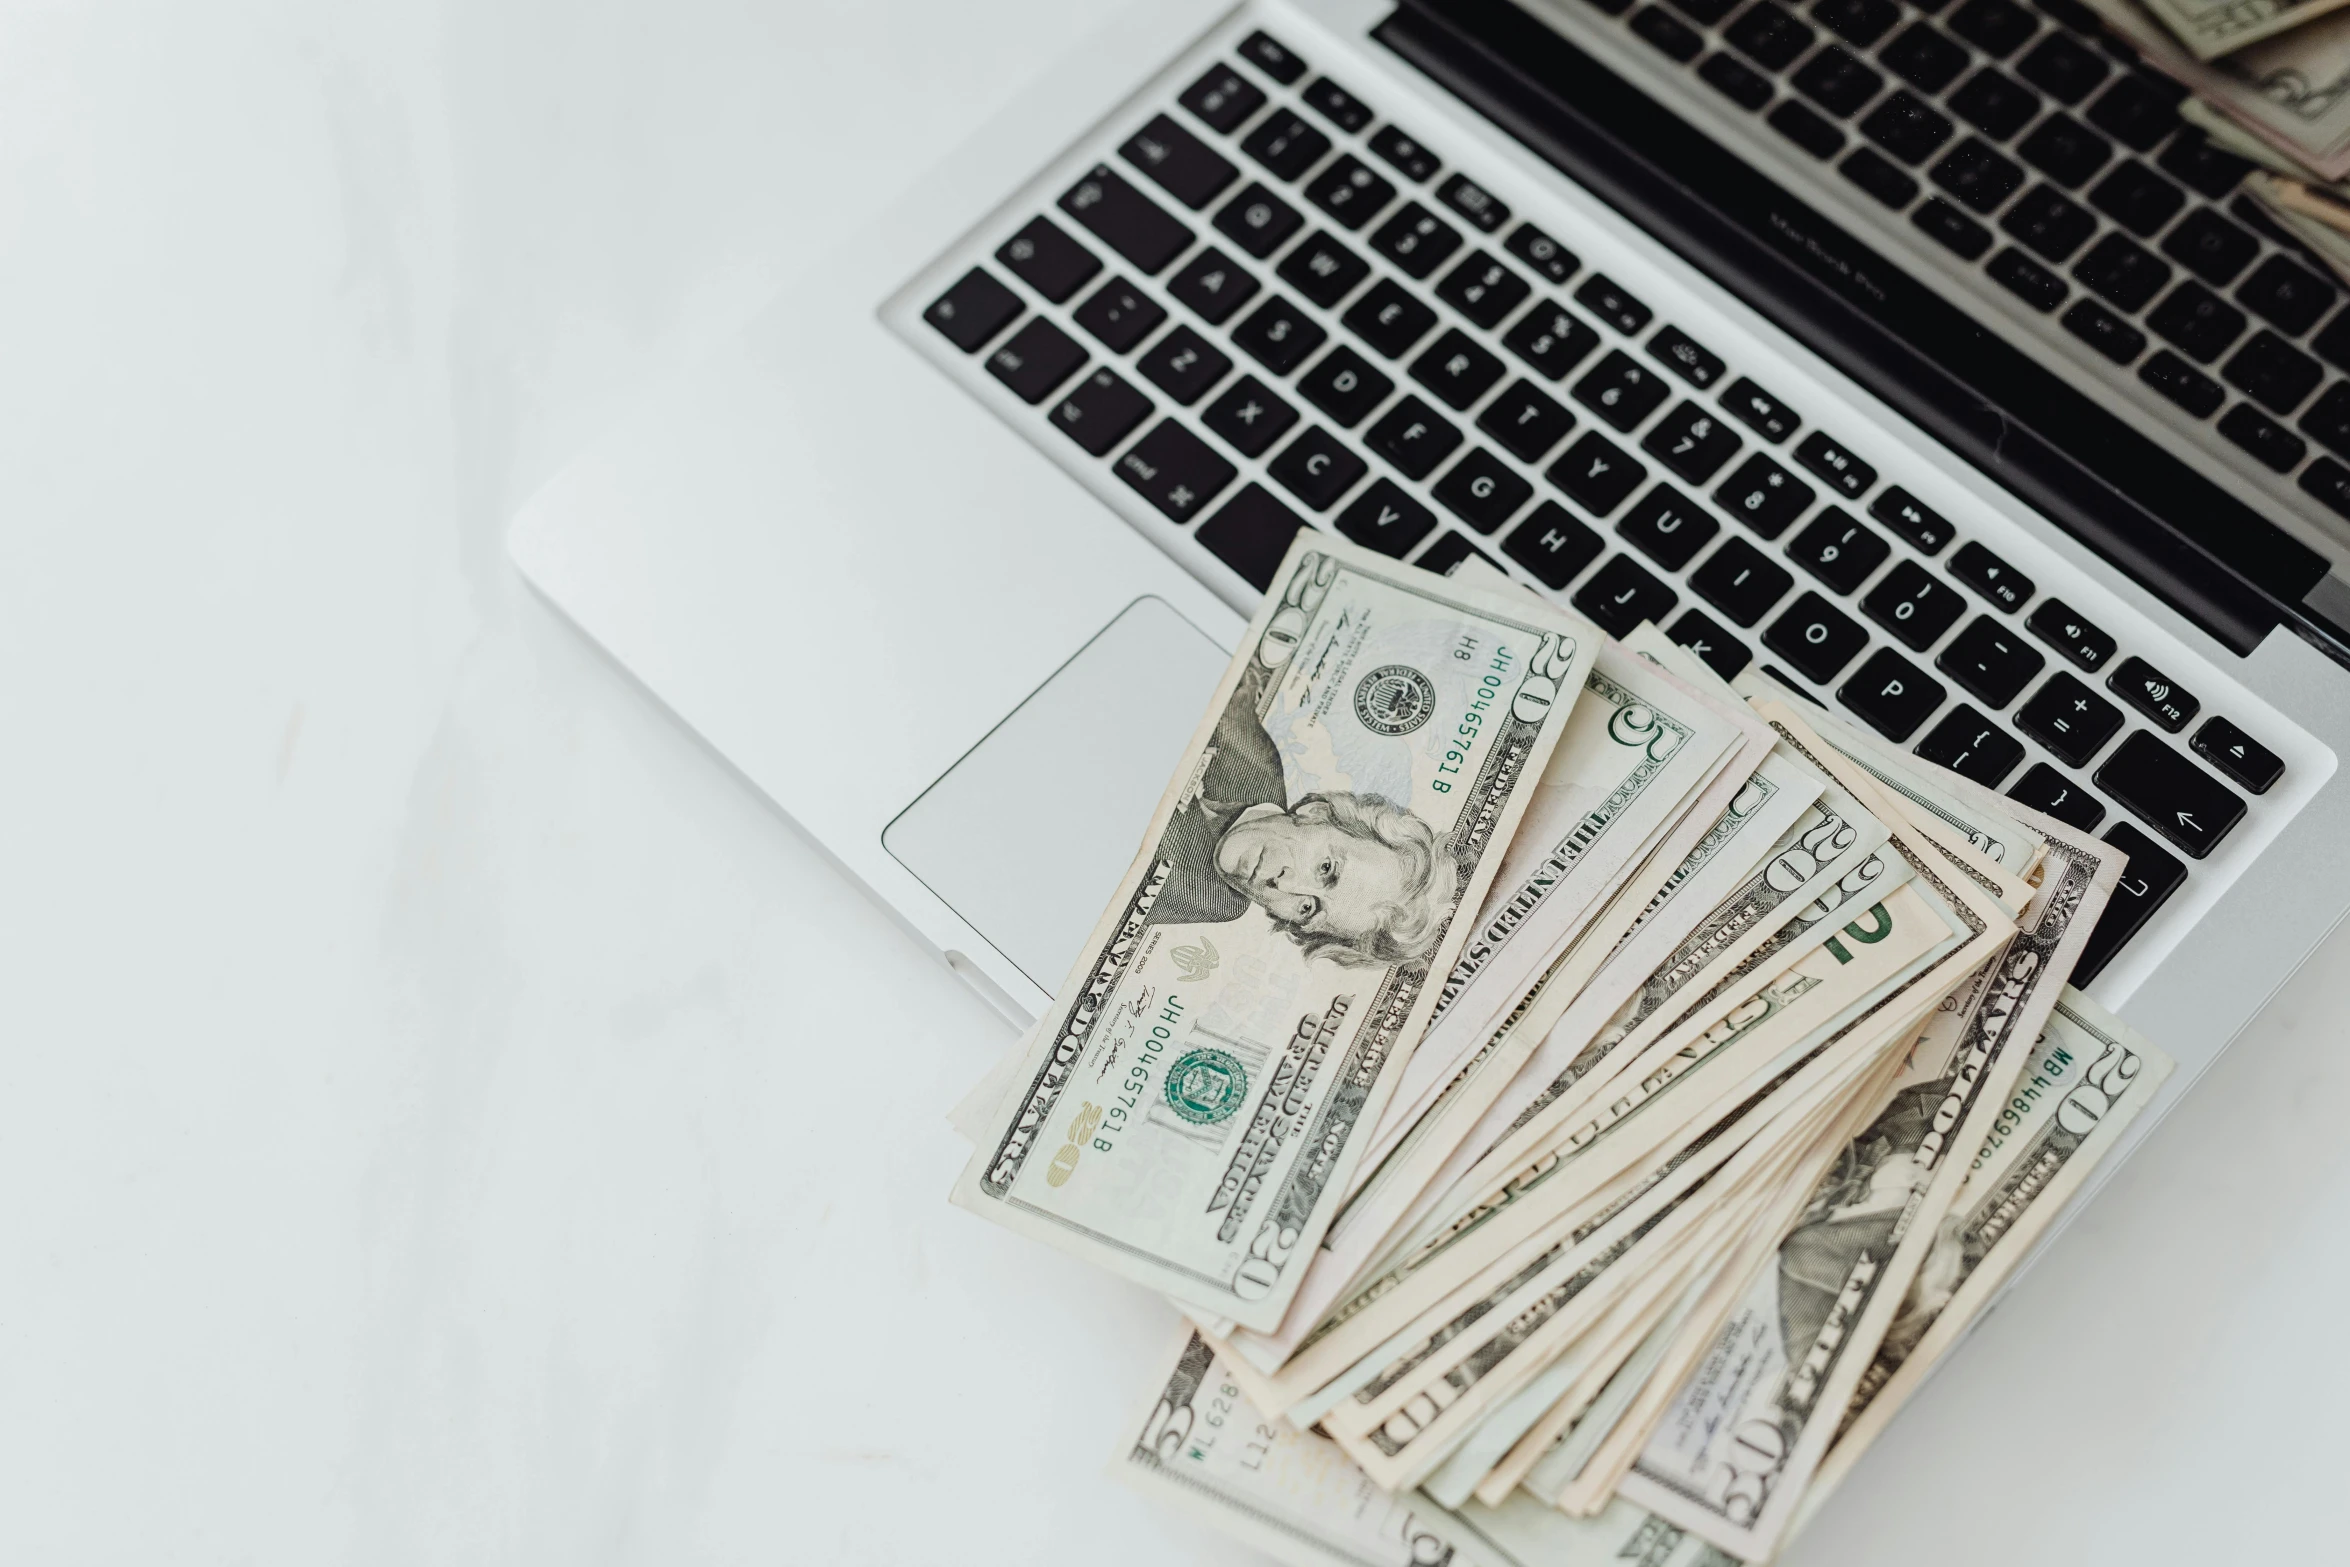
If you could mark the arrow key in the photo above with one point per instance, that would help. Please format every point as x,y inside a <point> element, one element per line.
<point>2238,755</point>
<point>2170,794</point>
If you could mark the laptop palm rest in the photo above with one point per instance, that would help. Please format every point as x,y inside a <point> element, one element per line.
<point>1024,838</point>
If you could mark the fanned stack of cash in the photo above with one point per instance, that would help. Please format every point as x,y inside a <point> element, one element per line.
<point>1574,1102</point>
<point>2271,80</point>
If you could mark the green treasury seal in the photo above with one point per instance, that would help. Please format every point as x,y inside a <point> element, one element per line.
<point>1206,1086</point>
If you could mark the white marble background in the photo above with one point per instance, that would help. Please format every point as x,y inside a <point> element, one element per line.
<point>447,1117</point>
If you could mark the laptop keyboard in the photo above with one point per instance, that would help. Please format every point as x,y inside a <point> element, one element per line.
<point>1273,308</point>
<point>2030,144</point>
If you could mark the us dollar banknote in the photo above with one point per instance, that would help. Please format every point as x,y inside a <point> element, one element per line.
<point>2211,28</point>
<point>2291,90</point>
<point>1191,1106</point>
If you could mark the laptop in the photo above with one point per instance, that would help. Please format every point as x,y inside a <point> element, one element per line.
<point>1914,351</point>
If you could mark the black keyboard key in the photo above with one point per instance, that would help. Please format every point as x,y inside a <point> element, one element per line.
<point>1735,80</point>
<point>2079,640</point>
<point>1924,527</point>
<point>1924,58</point>
<point>1836,80</point>
<point>2183,384</point>
<point>1386,519</point>
<point>1892,694</point>
<point>1252,534</point>
<point>1859,23</point>
<point>1838,550</point>
<point>1184,364</point>
<point>2286,295</point>
<point>1692,441</point>
<point>1223,99</point>
<point>1596,474</point>
<point>1474,202</point>
<point>1971,746</point>
<point>2209,246</point>
<point>1457,368</point>
<point>1952,228</point>
<point>1284,143</point>
<point>2153,693</point>
<point>1414,437</point>
<point>1552,339</point>
<point>1667,527</point>
<point>1415,239</point>
<point>1907,127</point>
<point>1317,468</point>
<point>1764,496</point>
<point>1258,221</point>
<point>1990,576</point>
<point>1816,637</point>
<point>1553,545</point>
<point>1126,220</point>
<point>2071,720</point>
<point>1767,35</point>
<point>1676,39</point>
<point>1804,127</point>
<point>1990,661</point>
<point>2327,421</point>
<point>1997,27</point>
<point>2048,222</point>
<point>2170,794</point>
<point>1350,191</point>
<point>1174,470</point>
<point>2137,198</point>
<point>1213,285</point>
<point>1913,605</point>
<point>2238,755</point>
<point>1102,411</point>
<point>1043,256</point>
<point>2104,331</point>
<point>2065,150</point>
<point>1759,411</point>
<point>973,311</point>
<point>1323,270</point>
<point>1249,417</point>
<point>1278,335</point>
<point>2192,158</point>
<point>2063,67</point>
<point>2329,481</point>
<point>2146,884</point>
<point>1621,391</point>
<point>1389,318</point>
<point>1120,315</point>
<point>1544,254</point>
<point>2277,447</point>
<point>2137,111</point>
<point>1273,58</point>
<point>1450,551</point>
<point>1525,421</point>
<point>1741,581</point>
<point>1706,12</point>
<point>2273,372</point>
<point>1620,596</point>
<point>1035,359</point>
<point>1995,105</point>
<point>1604,298</point>
<point>1482,490</point>
<point>1977,174</point>
<point>1402,154</point>
<point>2042,788</point>
<point>1345,385</point>
<point>1187,168</point>
<point>1678,352</point>
<point>1724,652</point>
<point>2025,278</point>
<point>1483,290</point>
<point>2124,273</point>
<point>1828,458</point>
<point>1335,104</point>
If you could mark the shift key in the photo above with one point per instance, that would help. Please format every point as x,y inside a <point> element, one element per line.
<point>1126,220</point>
<point>2170,794</point>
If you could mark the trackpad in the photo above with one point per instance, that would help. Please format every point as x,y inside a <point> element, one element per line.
<point>1025,836</point>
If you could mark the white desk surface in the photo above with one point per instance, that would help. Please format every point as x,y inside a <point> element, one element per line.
<point>448,1118</point>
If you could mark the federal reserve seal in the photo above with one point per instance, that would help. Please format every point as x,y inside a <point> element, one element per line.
<point>1394,699</point>
<point>1206,1086</point>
